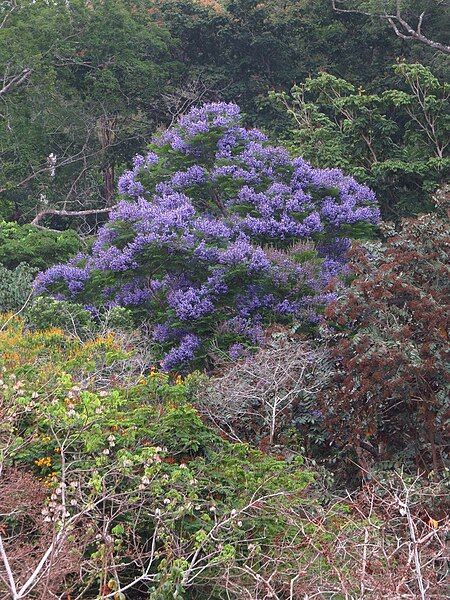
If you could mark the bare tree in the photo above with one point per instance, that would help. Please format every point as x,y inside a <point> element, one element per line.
<point>259,396</point>
<point>393,14</point>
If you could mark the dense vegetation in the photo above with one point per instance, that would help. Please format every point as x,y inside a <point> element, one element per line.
<point>87,83</point>
<point>224,299</point>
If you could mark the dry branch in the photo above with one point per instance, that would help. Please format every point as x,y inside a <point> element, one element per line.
<point>397,21</point>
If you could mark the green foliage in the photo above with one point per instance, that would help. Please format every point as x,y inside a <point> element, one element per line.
<point>243,48</point>
<point>46,312</point>
<point>140,444</point>
<point>149,500</point>
<point>103,76</point>
<point>43,313</point>
<point>36,247</point>
<point>15,286</point>
<point>86,425</point>
<point>97,71</point>
<point>395,140</point>
<point>117,318</point>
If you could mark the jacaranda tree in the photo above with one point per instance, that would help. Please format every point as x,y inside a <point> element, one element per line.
<point>217,235</point>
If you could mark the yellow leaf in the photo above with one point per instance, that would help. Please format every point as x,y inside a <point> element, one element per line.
<point>433,523</point>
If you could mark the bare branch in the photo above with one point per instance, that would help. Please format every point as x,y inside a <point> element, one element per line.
<point>261,393</point>
<point>11,582</point>
<point>14,81</point>
<point>402,28</point>
<point>68,213</point>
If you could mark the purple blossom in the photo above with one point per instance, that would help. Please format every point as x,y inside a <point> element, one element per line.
<point>192,176</point>
<point>182,354</point>
<point>236,351</point>
<point>128,185</point>
<point>212,228</point>
<point>236,235</point>
<point>133,293</point>
<point>162,332</point>
<point>190,304</point>
<point>242,252</point>
<point>244,327</point>
<point>72,277</point>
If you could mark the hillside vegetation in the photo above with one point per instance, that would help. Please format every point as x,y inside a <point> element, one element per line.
<point>224,299</point>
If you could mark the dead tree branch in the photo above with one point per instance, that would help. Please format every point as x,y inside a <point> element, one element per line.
<point>68,213</point>
<point>14,81</point>
<point>397,21</point>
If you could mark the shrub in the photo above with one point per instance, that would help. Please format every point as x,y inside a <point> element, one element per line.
<point>75,318</point>
<point>46,312</point>
<point>36,247</point>
<point>219,235</point>
<point>133,475</point>
<point>390,392</point>
<point>16,286</point>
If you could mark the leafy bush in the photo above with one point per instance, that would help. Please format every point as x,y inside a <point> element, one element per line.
<point>214,240</point>
<point>138,450</point>
<point>16,286</point>
<point>43,313</point>
<point>36,247</point>
<point>390,393</point>
<point>46,312</point>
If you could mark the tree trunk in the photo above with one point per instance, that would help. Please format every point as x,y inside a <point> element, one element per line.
<point>108,177</point>
<point>106,136</point>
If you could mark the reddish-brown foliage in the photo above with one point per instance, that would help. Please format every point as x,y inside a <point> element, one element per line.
<point>390,394</point>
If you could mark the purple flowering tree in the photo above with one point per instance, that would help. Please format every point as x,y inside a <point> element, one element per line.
<point>217,235</point>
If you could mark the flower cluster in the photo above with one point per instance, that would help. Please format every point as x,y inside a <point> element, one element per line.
<point>218,234</point>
